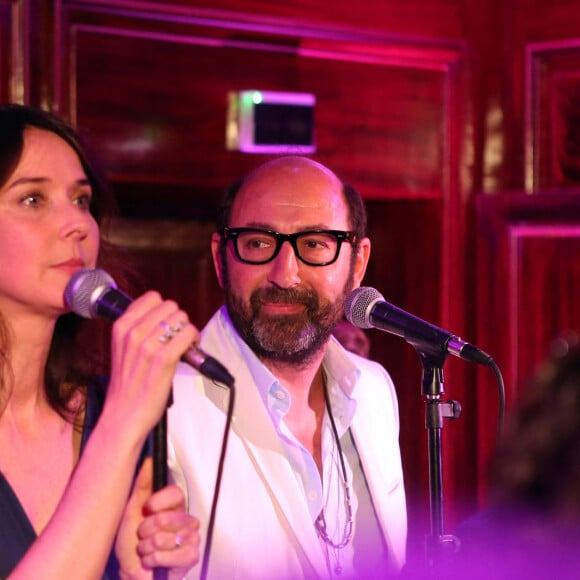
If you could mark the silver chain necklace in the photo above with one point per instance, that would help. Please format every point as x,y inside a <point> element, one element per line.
<point>320,522</point>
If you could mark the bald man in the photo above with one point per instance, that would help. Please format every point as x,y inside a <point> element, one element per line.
<point>312,483</point>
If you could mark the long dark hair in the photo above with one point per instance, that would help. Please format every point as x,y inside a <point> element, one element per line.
<point>71,364</point>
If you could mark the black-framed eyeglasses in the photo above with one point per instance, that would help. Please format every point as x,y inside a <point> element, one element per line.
<point>313,247</point>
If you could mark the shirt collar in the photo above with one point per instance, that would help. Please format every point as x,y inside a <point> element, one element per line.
<point>341,371</point>
<point>342,376</point>
<point>274,396</point>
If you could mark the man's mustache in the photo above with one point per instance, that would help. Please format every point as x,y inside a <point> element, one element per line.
<point>284,296</point>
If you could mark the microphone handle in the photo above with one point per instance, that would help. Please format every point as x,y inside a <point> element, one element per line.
<point>160,454</point>
<point>160,472</point>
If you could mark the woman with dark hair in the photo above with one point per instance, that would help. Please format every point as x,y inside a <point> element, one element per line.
<point>69,447</point>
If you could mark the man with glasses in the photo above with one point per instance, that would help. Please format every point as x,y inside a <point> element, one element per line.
<point>312,484</point>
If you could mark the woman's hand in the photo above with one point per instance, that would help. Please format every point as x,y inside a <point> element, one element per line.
<point>156,531</point>
<point>148,341</point>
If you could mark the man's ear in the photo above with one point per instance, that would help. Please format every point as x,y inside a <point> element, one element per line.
<point>217,258</point>
<point>361,261</point>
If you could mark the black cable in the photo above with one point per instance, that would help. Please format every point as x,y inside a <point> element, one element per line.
<point>212,515</point>
<point>501,397</point>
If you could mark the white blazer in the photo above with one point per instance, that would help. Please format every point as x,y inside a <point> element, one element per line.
<point>263,528</point>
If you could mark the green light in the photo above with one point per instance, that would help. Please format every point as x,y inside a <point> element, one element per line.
<point>257,98</point>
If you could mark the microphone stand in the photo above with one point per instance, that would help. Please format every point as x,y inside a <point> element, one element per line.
<point>437,543</point>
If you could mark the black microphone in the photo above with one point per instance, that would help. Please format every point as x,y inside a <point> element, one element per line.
<point>367,308</point>
<point>92,293</point>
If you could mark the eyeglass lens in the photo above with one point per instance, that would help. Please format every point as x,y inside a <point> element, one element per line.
<point>315,248</point>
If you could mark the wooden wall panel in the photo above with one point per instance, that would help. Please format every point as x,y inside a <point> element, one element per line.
<point>174,256</point>
<point>544,287</point>
<point>553,115</point>
<point>530,33</point>
<point>529,270</point>
<point>406,270</point>
<point>11,51</point>
<point>380,115</point>
<point>5,50</point>
<point>175,131</point>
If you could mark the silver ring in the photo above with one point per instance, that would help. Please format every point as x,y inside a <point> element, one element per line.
<point>170,331</point>
<point>178,327</point>
<point>178,540</point>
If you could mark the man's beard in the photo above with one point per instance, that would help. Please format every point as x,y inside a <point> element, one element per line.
<point>285,338</point>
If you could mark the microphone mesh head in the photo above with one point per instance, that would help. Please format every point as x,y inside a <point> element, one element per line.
<point>358,306</point>
<point>84,288</point>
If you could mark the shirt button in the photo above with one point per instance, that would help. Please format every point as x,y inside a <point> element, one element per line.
<point>280,396</point>
<point>312,495</point>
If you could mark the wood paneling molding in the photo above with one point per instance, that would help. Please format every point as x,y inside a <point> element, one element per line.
<point>552,115</point>
<point>529,280</point>
<point>13,42</point>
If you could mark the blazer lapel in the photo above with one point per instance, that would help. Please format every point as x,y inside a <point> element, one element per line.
<point>384,476</point>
